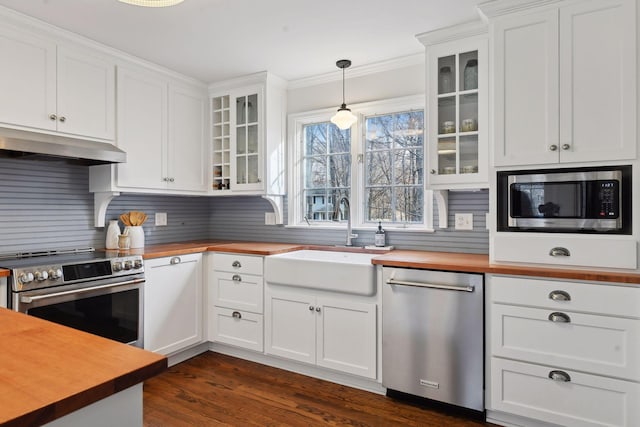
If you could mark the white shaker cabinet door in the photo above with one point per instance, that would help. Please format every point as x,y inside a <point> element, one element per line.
<point>346,336</point>
<point>27,80</point>
<point>173,303</point>
<point>290,329</point>
<point>526,89</point>
<point>142,120</point>
<point>187,155</point>
<point>598,81</point>
<point>86,94</point>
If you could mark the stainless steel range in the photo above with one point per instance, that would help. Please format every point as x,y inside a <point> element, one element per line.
<point>82,289</point>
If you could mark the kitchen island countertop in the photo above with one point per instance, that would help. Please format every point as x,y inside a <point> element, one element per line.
<point>48,371</point>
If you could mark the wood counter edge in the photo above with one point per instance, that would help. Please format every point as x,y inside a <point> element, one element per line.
<point>89,396</point>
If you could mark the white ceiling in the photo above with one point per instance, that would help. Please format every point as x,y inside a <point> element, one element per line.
<point>213,40</point>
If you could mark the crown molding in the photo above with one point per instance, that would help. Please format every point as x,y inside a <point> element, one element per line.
<point>495,8</point>
<point>362,70</point>
<point>454,32</point>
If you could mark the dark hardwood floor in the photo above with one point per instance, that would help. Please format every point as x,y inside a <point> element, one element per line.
<point>214,389</point>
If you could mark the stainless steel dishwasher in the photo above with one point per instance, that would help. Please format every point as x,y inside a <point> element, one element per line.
<point>433,335</point>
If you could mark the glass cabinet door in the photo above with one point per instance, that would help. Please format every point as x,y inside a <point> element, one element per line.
<point>457,114</point>
<point>247,139</point>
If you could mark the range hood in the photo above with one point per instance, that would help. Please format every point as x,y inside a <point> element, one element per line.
<point>19,144</point>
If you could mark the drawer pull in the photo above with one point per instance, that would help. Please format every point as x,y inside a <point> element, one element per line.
<point>559,317</point>
<point>560,376</point>
<point>236,315</point>
<point>175,260</point>
<point>559,251</point>
<point>318,309</point>
<point>236,264</point>
<point>236,278</point>
<point>311,308</point>
<point>559,296</point>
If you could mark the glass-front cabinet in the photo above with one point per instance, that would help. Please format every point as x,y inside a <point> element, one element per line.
<point>456,126</point>
<point>248,127</point>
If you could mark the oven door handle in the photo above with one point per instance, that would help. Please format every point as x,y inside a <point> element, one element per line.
<point>31,299</point>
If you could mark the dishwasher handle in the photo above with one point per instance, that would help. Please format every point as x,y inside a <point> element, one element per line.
<point>464,288</point>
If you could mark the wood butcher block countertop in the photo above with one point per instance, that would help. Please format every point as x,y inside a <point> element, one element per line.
<point>450,261</point>
<point>48,371</point>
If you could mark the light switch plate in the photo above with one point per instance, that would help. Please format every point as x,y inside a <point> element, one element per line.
<point>464,221</point>
<point>161,218</point>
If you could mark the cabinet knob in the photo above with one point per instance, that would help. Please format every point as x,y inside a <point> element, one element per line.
<point>559,317</point>
<point>236,264</point>
<point>433,171</point>
<point>165,179</point>
<point>63,119</point>
<point>559,296</point>
<point>559,251</point>
<point>53,117</point>
<point>171,179</point>
<point>553,147</point>
<point>175,260</point>
<point>318,309</point>
<point>236,278</point>
<point>236,315</point>
<point>560,376</point>
<point>566,146</point>
<point>311,308</point>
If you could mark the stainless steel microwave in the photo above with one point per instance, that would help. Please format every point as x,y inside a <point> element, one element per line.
<point>572,200</point>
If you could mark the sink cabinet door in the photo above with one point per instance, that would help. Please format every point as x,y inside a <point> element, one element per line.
<point>290,327</point>
<point>173,303</point>
<point>346,336</point>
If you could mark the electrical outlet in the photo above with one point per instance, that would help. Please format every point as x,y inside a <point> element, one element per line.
<point>161,218</point>
<point>464,221</point>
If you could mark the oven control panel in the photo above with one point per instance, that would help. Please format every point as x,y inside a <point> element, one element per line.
<point>45,276</point>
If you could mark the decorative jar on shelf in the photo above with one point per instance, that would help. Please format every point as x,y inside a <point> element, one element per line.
<point>444,80</point>
<point>113,231</point>
<point>471,75</point>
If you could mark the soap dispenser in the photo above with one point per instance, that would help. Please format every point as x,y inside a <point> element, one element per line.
<point>379,239</point>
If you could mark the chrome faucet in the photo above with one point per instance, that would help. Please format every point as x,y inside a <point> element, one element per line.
<point>350,235</point>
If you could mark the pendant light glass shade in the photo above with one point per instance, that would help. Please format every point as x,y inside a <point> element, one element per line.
<point>152,3</point>
<point>344,118</point>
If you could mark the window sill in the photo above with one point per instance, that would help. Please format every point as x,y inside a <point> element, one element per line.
<point>360,228</point>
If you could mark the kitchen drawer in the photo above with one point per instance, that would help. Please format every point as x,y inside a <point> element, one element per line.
<point>235,327</point>
<point>611,299</point>
<point>237,263</point>
<point>237,290</point>
<point>586,400</point>
<point>595,344</point>
<point>584,251</point>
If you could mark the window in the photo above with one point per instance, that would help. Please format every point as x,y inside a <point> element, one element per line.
<point>327,169</point>
<point>378,164</point>
<point>394,163</point>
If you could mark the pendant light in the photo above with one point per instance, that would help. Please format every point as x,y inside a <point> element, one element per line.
<point>152,3</point>
<point>344,118</point>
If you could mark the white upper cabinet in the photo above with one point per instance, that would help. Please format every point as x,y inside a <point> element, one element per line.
<point>248,135</point>
<point>565,83</point>
<point>162,128</point>
<point>55,87</point>
<point>457,106</point>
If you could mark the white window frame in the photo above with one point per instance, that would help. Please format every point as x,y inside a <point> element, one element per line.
<point>297,121</point>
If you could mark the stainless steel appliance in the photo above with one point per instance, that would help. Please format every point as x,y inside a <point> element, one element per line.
<point>433,335</point>
<point>576,200</point>
<point>82,289</point>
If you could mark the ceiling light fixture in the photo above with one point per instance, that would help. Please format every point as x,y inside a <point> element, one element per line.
<point>344,118</point>
<point>152,3</point>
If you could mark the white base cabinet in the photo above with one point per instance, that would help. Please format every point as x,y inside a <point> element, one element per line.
<point>173,303</point>
<point>235,301</point>
<point>331,332</point>
<point>564,352</point>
